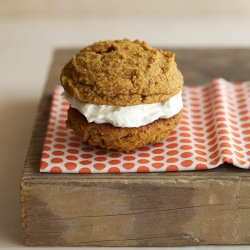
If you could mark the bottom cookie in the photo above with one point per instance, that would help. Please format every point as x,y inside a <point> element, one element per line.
<point>121,139</point>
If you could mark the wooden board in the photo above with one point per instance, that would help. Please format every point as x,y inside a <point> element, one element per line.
<point>156,209</point>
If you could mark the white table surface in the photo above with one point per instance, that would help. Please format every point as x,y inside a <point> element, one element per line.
<point>27,41</point>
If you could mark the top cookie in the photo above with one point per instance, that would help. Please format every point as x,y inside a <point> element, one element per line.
<point>121,73</point>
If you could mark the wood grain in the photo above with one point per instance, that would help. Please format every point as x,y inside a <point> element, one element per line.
<point>146,209</point>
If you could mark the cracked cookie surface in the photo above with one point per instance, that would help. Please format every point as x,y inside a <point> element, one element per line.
<point>121,73</point>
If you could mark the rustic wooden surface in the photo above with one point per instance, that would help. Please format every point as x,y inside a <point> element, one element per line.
<point>151,209</point>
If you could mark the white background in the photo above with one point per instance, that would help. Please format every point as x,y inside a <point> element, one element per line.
<point>29,32</point>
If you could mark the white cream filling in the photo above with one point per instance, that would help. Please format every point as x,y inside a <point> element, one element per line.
<point>127,116</point>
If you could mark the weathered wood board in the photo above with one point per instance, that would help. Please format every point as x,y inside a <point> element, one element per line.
<point>156,209</point>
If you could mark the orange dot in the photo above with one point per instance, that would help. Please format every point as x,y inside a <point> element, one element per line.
<point>47,141</point>
<point>170,139</point>
<point>143,169</point>
<point>61,128</point>
<point>45,155</point>
<point>84,171</point>
<point>247,145</point>
<point>240,161</point>
<point>101,152</point>
<point>198,128</point>
<point>131,152</point>
<point>237,147</point>
<point>239,154</point>
<point>56,170</point>
<point>246,139</point>
<point>144,149</point>
<point>115,155</point>
<point>157,165</point>
<point>158,151</point>
<point>210,122</point>
<point>59,146</point>
<point>186,147</point>
<point>245,125</point>
<point>70,165</point>
<point>236,141</point>
<point>43,165</point>
<point>61,121</point>
<point>114,162</point>
<point>128,165</point>
<point>60,140</point>
<point>187,163</point>
<point>49,135</point>
<point>232,121</point>
<point>214,162</point>
<point>225,145</point>
<point>61,133</point>
<point>199,140</point>
<point>200,167</point>
<point>57,160</point>
<point>199,146</point>
<point>185,134</point>
<point>228,160</point>
<point>114,170</point>
<point>186,155</point>
<point>158,144</point>
<point>58,153</point>
<point>173,132</point>
<point>172,152</point>
<point>172,168</point>
<point>234,128</point>
<point>86,156</point>
<point>86,162</point>
<point>242,106</point>
<point>87,149</point>
<point>214,154</point>
<point>50,129</point>
<point>51,124</point>
<point>46,148</point>
<point>224,138</point>
<point>158,158</point>
<point>226,151</point>
<point>198,158</point>
<point>243,119</point>
<point>100,158</point>
<point>210,129</point>
<point>99,166</point>
<point>63,110</point>
<point>172,145</point>
<point>129,158</point>
<point>222,125</point>
<point>199,152</point>
<point>143,161</point>
<point>73,151</point>
<point>184,122</point>
<point>195,110</point>
<point>74,144</point>
<point>198,134</point>
<point>71,158</point>
<point>74,138</point>
<point>172,160</point>
<point>211,135</point>
<point>221,119</point>
<point>243,112</point>
<point>65,103</point>
<point>185,141</point>
<point>184,128</point>
<point>144,155</point>
<point>246,132</point>
<point>235,134</point>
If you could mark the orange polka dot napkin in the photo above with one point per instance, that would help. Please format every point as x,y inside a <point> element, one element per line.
<point>215,128</point>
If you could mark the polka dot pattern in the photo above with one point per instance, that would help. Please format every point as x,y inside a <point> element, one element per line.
<point>215,128</point>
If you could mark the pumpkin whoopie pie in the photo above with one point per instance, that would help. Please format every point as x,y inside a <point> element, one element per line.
<point>123,94</point>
